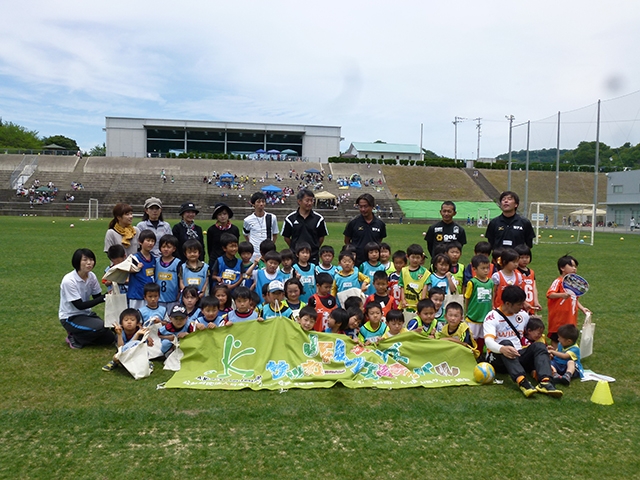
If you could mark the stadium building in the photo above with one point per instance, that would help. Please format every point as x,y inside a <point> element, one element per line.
<point>143,137</point>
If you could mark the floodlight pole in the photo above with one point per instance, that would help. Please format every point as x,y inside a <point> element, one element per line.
<point>421,150</point>
<point>510,118</point>
<point>597,163</point>
<point>526,175</point>
<point>479,127</point>
<point>555,210</point>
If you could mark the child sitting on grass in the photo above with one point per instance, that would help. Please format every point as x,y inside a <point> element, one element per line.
<point>276,306</point>
<point>128,330</point>
<point>307,318</point>
<point>456,330</point>
<point>356,319</point>
<point>190,301</point>
<point>243,311</point>
<point>210,312</point>
<point>178,327</point>
<point>338,321</point>
<point>373,330</point>
<point>565,360</point>
<point>395,324</point>
<point>152,312</point>
<point>425,321</point>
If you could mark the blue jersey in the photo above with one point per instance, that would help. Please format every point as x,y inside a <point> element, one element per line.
<point>216,321</point>
<point>307,279</point>
<point>228,274</point>
<point>438,281</point>
<point>331,271</point>
<point>368,333</point>
<point>346,282</point>
<point>198,279</point>
<point>286,275</point>
<point>138,280</point>
<point>167,277</point>
<point>235,317</point>
<point>262,279</point>
<point>269,312</point>
<point>369,270</point>
<point>246,282</point>
<point>193,316</point>
<point>149,313</point>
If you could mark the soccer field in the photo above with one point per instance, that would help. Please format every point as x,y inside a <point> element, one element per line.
<point>62,417</point>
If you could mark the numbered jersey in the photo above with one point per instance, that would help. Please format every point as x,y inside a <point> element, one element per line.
<point>529,280</point>
<point>167,277</point>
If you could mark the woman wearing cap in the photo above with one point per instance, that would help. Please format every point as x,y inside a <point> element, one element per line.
<point>187,229</point>
<point>223,215</point>
<point>152,220</point>
<point>121,231</point>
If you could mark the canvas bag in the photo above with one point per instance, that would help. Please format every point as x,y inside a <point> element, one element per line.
<point>586,337</point>
<point>350,292</point>
<point>154,350</point>
<point>454,297</point>
<point>172,363</point>
<point>134,356</point>
<point>114,304</point>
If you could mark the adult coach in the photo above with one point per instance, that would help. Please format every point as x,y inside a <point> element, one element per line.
<point>79,292</point>
<point>187,229</point>
<point>305,225</point>
<point>446,230</point>
<point>222,214</point>
<point>260,225</point>
<point>364,228</point>
<point>509,229</point>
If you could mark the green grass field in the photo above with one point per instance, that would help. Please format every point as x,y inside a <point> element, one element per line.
<point>62,417</point>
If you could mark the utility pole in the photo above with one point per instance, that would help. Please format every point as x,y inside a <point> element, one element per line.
<point>511,118</point>
<point>455,122</point>
<point>479,127</point>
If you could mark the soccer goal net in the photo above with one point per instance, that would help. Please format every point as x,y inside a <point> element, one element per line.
<point>563,222</point>
<point>92,211</point>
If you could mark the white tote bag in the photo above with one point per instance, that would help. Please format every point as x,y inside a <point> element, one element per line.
<point>114,304</point>
<point>586,337</point>
<point>172,363</point>
<point>134,356</point>
<point>155,350</point>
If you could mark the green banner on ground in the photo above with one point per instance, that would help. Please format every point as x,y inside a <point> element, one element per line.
<point>278,354</point>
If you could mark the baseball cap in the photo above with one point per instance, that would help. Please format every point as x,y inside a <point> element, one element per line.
<point>178,311</point>
<point>150,202</point>
<point>276,286</point>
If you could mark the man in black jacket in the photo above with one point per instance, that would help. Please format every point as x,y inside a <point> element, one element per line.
<point>509,229</point>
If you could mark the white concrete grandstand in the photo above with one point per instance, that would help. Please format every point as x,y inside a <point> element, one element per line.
<point>143,137</point>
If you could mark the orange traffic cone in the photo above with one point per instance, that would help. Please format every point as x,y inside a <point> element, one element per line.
<point>602,394</point>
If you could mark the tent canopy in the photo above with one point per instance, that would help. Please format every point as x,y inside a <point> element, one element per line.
<point>288,151</point>
<point>271,188</point>
<point>325,196</point>
<point>312,170</point>
<point>588,211</point>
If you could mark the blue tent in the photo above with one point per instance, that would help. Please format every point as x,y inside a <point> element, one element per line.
<point>260,150</point>
<point>312,170</point>
<point>271,188</point>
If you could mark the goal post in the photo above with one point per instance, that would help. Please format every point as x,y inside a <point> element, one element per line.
<point>563,222</point>
<point>92,211</point>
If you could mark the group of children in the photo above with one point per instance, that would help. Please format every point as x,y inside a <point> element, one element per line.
<point>387,295</point>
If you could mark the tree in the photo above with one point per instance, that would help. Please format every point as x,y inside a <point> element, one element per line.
<point>98,151</point>
<point>66,142</point>
<point>16,136</point>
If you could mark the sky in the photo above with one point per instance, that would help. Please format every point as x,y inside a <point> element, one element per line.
<point>375,68</point>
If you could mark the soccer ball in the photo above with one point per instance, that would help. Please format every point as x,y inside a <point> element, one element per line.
<point>484,373</point>
<point>72,225</point>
